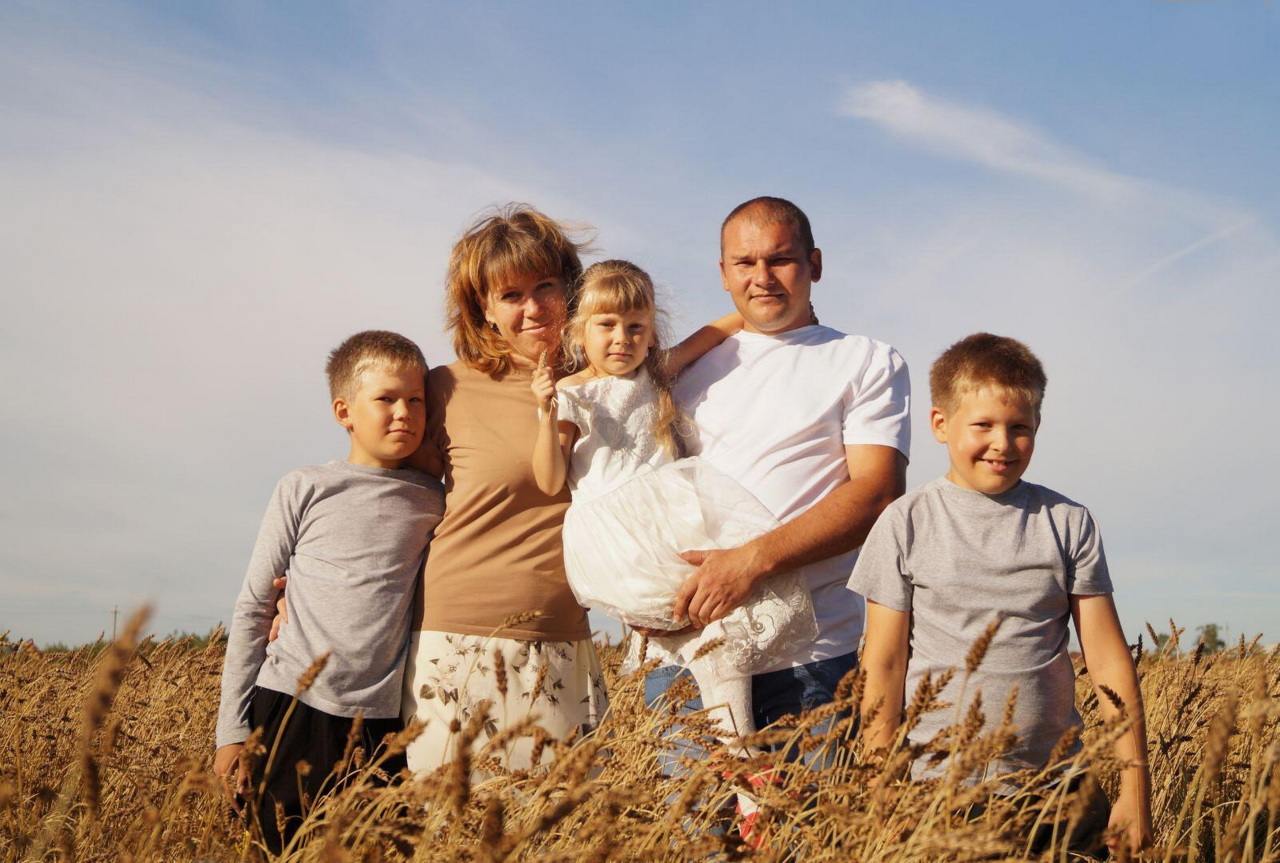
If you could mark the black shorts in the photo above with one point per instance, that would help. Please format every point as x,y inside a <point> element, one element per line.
<point>313,736</point>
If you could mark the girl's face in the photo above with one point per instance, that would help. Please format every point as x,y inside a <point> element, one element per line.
<point>528,312</point>
<point>616,343</point>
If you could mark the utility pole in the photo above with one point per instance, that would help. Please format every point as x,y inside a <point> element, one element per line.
<point>115,611</point>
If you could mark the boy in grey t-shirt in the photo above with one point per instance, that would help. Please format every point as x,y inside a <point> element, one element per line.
<point>351,537</point>
<point>979,545</point>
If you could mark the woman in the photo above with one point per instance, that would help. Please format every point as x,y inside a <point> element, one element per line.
<point>496,621</point>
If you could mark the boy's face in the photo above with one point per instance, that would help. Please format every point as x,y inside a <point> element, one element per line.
<point>990,438</point>
<point>386,416</point>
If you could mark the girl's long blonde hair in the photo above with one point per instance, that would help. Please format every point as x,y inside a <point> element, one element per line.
<point>614,287</point>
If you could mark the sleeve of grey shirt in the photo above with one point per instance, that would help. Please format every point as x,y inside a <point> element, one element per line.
<point>255,609</point>
<point>1087,572</point>
<point>878,574</point>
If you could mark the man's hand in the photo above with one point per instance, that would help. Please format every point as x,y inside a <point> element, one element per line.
<point>723,581</point>
<point>226,766</point>
<point>282,611</point>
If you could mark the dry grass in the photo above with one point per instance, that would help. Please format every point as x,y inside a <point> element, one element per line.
<point>105,753</point>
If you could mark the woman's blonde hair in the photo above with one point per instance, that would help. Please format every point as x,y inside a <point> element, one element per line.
<point>512,241</point>
<point>615,287</point>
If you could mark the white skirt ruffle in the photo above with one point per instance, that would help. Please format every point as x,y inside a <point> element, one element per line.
<point>622,556</point>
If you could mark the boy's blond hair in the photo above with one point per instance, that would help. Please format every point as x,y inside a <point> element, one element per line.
<point>368,350</point>
<point>984,360</point>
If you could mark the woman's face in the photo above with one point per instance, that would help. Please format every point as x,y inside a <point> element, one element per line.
<point>528,312</point>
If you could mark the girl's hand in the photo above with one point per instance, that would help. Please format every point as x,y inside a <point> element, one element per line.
<point>544,385</point>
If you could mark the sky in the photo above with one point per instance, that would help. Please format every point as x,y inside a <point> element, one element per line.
<point>198,201</point>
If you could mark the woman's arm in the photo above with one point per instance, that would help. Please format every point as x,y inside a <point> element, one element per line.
<point>700,342</point>
<point>555,437</point>
<point>884,657</point>
<point>1106,655</point>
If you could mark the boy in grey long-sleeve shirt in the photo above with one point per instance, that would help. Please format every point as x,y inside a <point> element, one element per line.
<point>351,537</point>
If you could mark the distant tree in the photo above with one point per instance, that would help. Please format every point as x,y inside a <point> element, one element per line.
<point>1212,639</point>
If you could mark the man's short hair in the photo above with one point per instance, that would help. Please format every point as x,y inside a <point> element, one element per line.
<point>767,210</point>
<point>983,360</point>
<point>368,350</point>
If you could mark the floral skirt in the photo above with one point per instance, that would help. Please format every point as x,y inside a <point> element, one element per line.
<point>555,686</point>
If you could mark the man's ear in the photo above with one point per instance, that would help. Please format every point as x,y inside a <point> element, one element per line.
<point>724,281</point>
<point>342,413</point>
<point>815,265</point>
<point>938,424</point>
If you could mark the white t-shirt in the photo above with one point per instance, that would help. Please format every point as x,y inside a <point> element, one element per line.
<point>775,413</point>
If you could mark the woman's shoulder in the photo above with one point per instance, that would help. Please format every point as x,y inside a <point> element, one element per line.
<point>449,371</point>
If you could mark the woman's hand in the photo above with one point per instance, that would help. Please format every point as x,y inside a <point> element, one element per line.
<point>282,610</point>
<point>544,385</point>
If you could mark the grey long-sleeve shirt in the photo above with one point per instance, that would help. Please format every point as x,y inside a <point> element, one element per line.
<point>352,540</point>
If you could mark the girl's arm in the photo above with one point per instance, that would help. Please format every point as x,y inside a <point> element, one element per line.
<point>700,342</point>
<point>1106,655</point>
<point>555,437</point>
<point>884,657</point>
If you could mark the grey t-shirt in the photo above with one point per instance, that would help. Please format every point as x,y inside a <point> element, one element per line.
<point>955,559</point>
<point>352,540</point>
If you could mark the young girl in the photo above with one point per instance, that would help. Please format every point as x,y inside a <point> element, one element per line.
<point>610,430</point>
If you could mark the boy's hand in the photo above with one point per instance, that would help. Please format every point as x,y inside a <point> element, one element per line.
<point>544,385</point>
<point>1128,825</point>
<point>226,766</point>
<point>282,611</point>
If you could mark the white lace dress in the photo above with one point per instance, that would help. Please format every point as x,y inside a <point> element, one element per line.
<point>635,509</point>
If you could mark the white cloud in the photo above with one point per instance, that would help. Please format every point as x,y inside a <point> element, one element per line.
<point>175,271</point>
<point>975,134</point>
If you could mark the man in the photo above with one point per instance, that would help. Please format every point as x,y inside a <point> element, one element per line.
<point>815,424</point>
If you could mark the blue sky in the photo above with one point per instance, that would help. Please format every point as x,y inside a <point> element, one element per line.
<point>197,201</point>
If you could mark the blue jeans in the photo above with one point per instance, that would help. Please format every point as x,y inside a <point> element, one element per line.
<point>773,695</point>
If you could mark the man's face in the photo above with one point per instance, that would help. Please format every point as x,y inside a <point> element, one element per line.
<point>765,269</point>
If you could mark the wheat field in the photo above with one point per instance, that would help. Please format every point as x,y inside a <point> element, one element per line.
<point>105,754</point>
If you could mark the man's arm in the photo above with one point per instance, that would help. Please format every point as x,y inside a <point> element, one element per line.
<point>1106,654</point>
<point>834,525</point>
<point>884,657</point>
